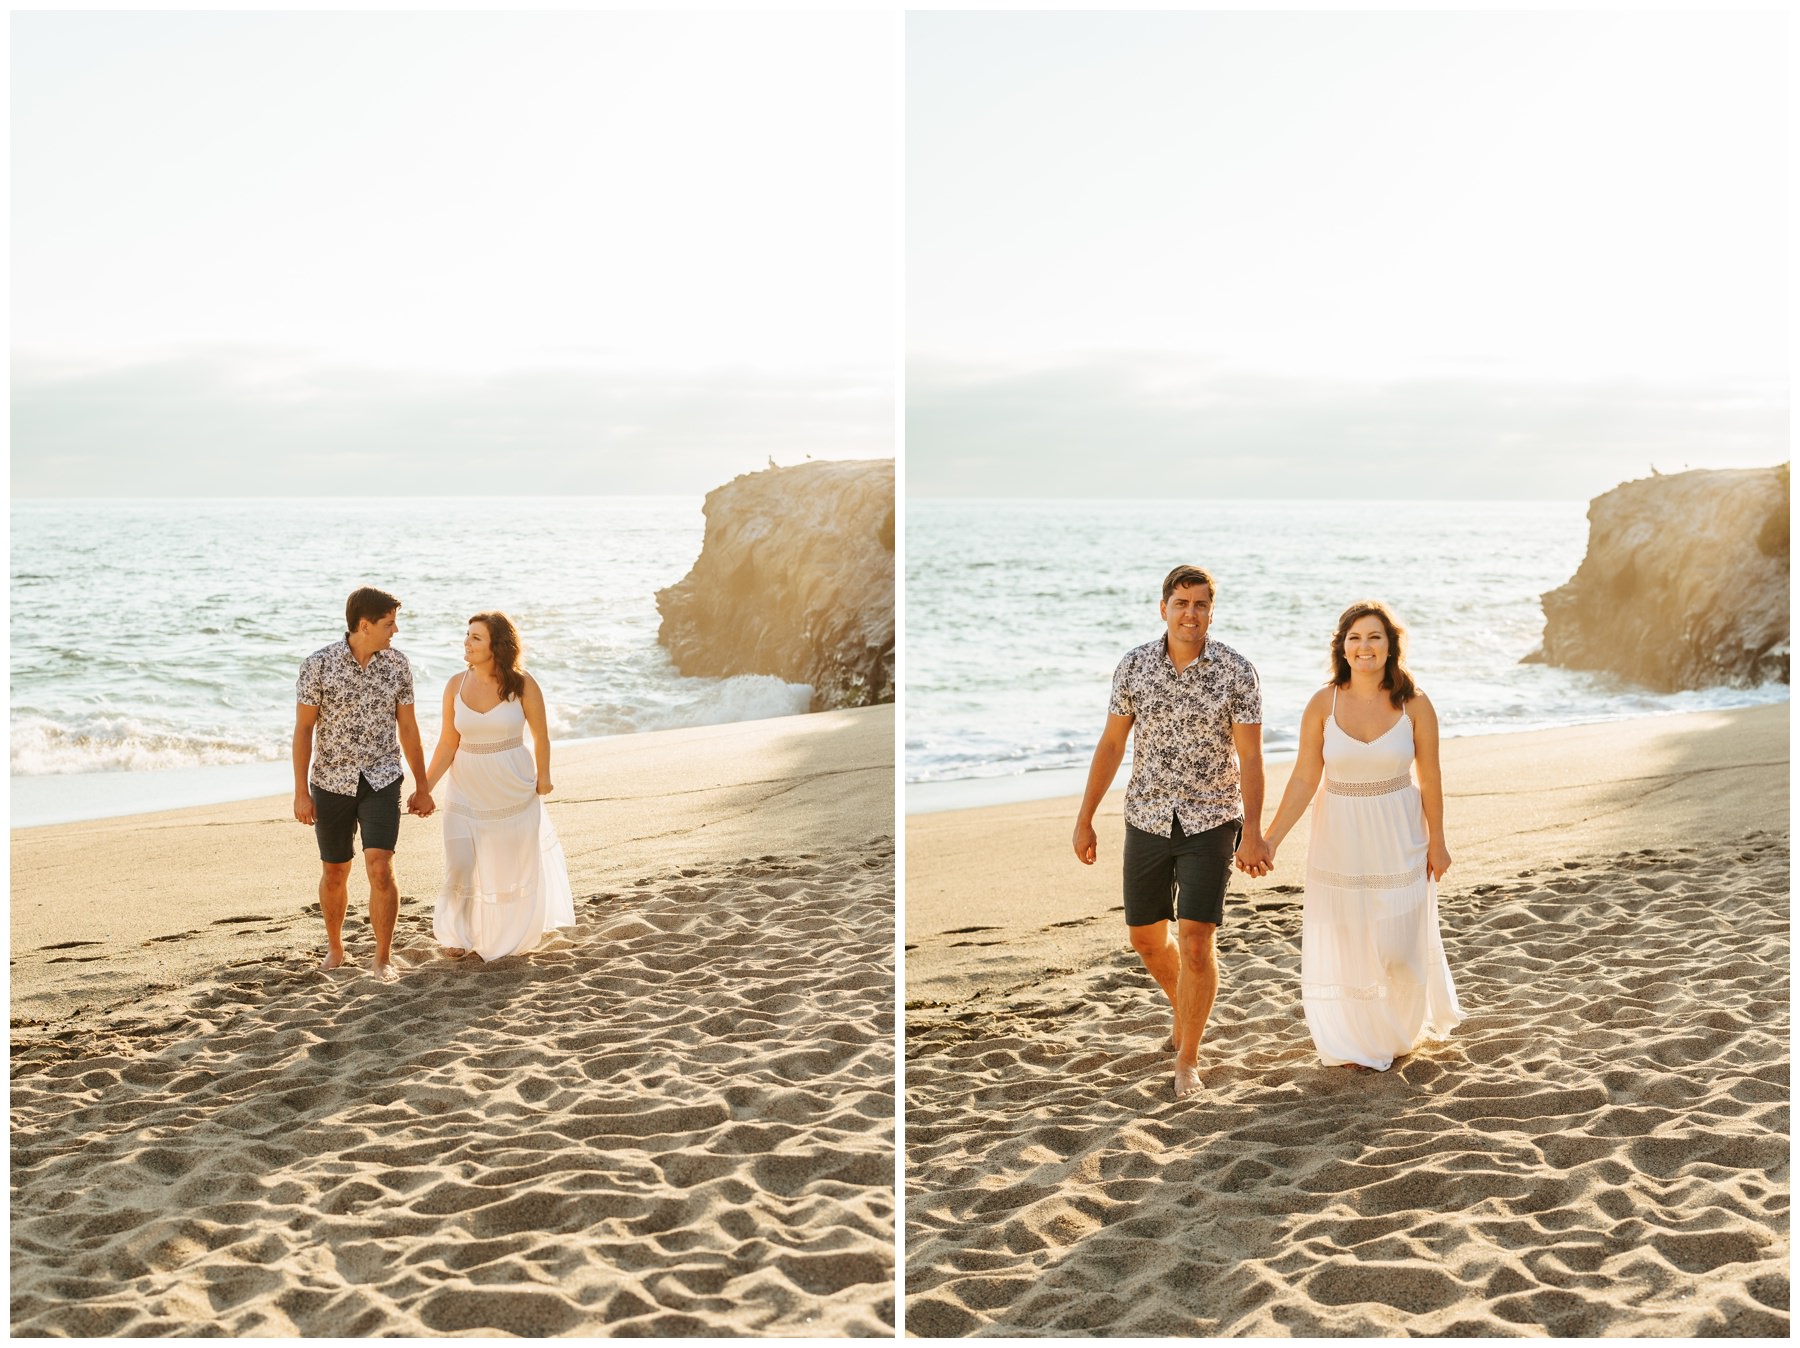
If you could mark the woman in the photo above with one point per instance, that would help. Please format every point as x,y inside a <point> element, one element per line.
<point>1373,978</point>
<point>505,881</point>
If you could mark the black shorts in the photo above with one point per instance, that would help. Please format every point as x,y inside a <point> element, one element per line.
<point>1183,876</point>
<point>378,813</point>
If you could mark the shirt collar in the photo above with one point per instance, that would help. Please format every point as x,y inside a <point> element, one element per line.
<point>346,653</point>
<point>1206,651</point>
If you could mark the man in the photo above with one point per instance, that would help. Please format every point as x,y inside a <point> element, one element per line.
<point>1194,799</point>
<point>352,698</point>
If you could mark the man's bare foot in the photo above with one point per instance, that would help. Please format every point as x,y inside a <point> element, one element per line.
<point>385,972</point>
<point>1187,1080</point>
<point>1169,1043</point>
<point>332,959</point>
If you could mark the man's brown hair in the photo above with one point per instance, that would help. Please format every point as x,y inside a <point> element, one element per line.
<point>1188,575</point>
<point>369,603</point>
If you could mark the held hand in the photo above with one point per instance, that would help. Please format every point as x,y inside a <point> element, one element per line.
<point>1087,843</point>
<point>304,809</point>
<point>1268,866</point>
<point>1255,856</point>
<point>420,803</point>
<point>1437,860</point>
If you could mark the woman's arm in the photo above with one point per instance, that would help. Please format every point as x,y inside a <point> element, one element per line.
<point>1431,782</point>
<point>448,739</point>
<point>533,698</point>
<point>1309,768</point>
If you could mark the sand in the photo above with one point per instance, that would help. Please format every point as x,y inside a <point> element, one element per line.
<point>677,1119</point>
<point>1601,1148</point>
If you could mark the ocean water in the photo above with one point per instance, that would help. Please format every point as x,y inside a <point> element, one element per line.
<point>1017,613</point>
<point>157,639</point>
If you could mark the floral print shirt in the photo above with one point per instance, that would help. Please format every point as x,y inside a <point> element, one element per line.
<point>357,734</point>
<point>1183,763</point>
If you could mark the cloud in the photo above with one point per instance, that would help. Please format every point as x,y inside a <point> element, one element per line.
<point>244,422</point>
<point>1146,425</point>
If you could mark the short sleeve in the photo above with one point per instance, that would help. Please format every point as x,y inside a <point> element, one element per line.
<point>309,691</point>
<point>403,684</point>
<point>1246,698</point>
<point>1120,704</point>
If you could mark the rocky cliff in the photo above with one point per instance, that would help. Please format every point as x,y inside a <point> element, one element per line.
<point>795,578</point>
<point>1685,582</point>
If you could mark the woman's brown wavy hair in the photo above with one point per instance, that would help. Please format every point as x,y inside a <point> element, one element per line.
<point>1396,678</point>
<point>503,640</point>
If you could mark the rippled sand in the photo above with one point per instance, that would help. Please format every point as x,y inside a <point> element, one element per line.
<point>678,1122</point>
<point>1601,1148</point>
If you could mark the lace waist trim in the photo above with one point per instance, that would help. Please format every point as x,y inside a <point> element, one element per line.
<point>504,812</point>
<point>1397,880</point>
<point>490,747</point>
<point>1381,788</point>
<point>1338,992</point>
<point>1349,992</point>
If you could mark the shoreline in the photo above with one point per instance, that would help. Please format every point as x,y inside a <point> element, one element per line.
<point>105,909</point>
<point>43,800</point>
<point>942,794</point>
<point>1511,801</point>
<point>53,798</point>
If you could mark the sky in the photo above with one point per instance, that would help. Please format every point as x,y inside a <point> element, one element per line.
<point>608,253</point>
<point>1373,255</point>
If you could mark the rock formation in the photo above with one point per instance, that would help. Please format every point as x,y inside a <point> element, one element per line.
<point>795,578</point>
<point>1685,583</point>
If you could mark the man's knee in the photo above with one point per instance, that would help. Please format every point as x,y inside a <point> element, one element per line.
<point>1150,939</point>
<point>337,873</point>
<point>1196,942</point>
<point>380,865</point>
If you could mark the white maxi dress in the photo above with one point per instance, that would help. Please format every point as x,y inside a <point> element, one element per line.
<point>1374,982</point>
<point>505,880</point>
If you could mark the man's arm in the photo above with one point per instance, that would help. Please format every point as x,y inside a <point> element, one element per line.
<point>420,801</point>
<point>1108,754</point>
<point>305,718</point>
<point>1253,853</point>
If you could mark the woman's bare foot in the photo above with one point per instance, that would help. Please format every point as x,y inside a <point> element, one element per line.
<point>454,952</point>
